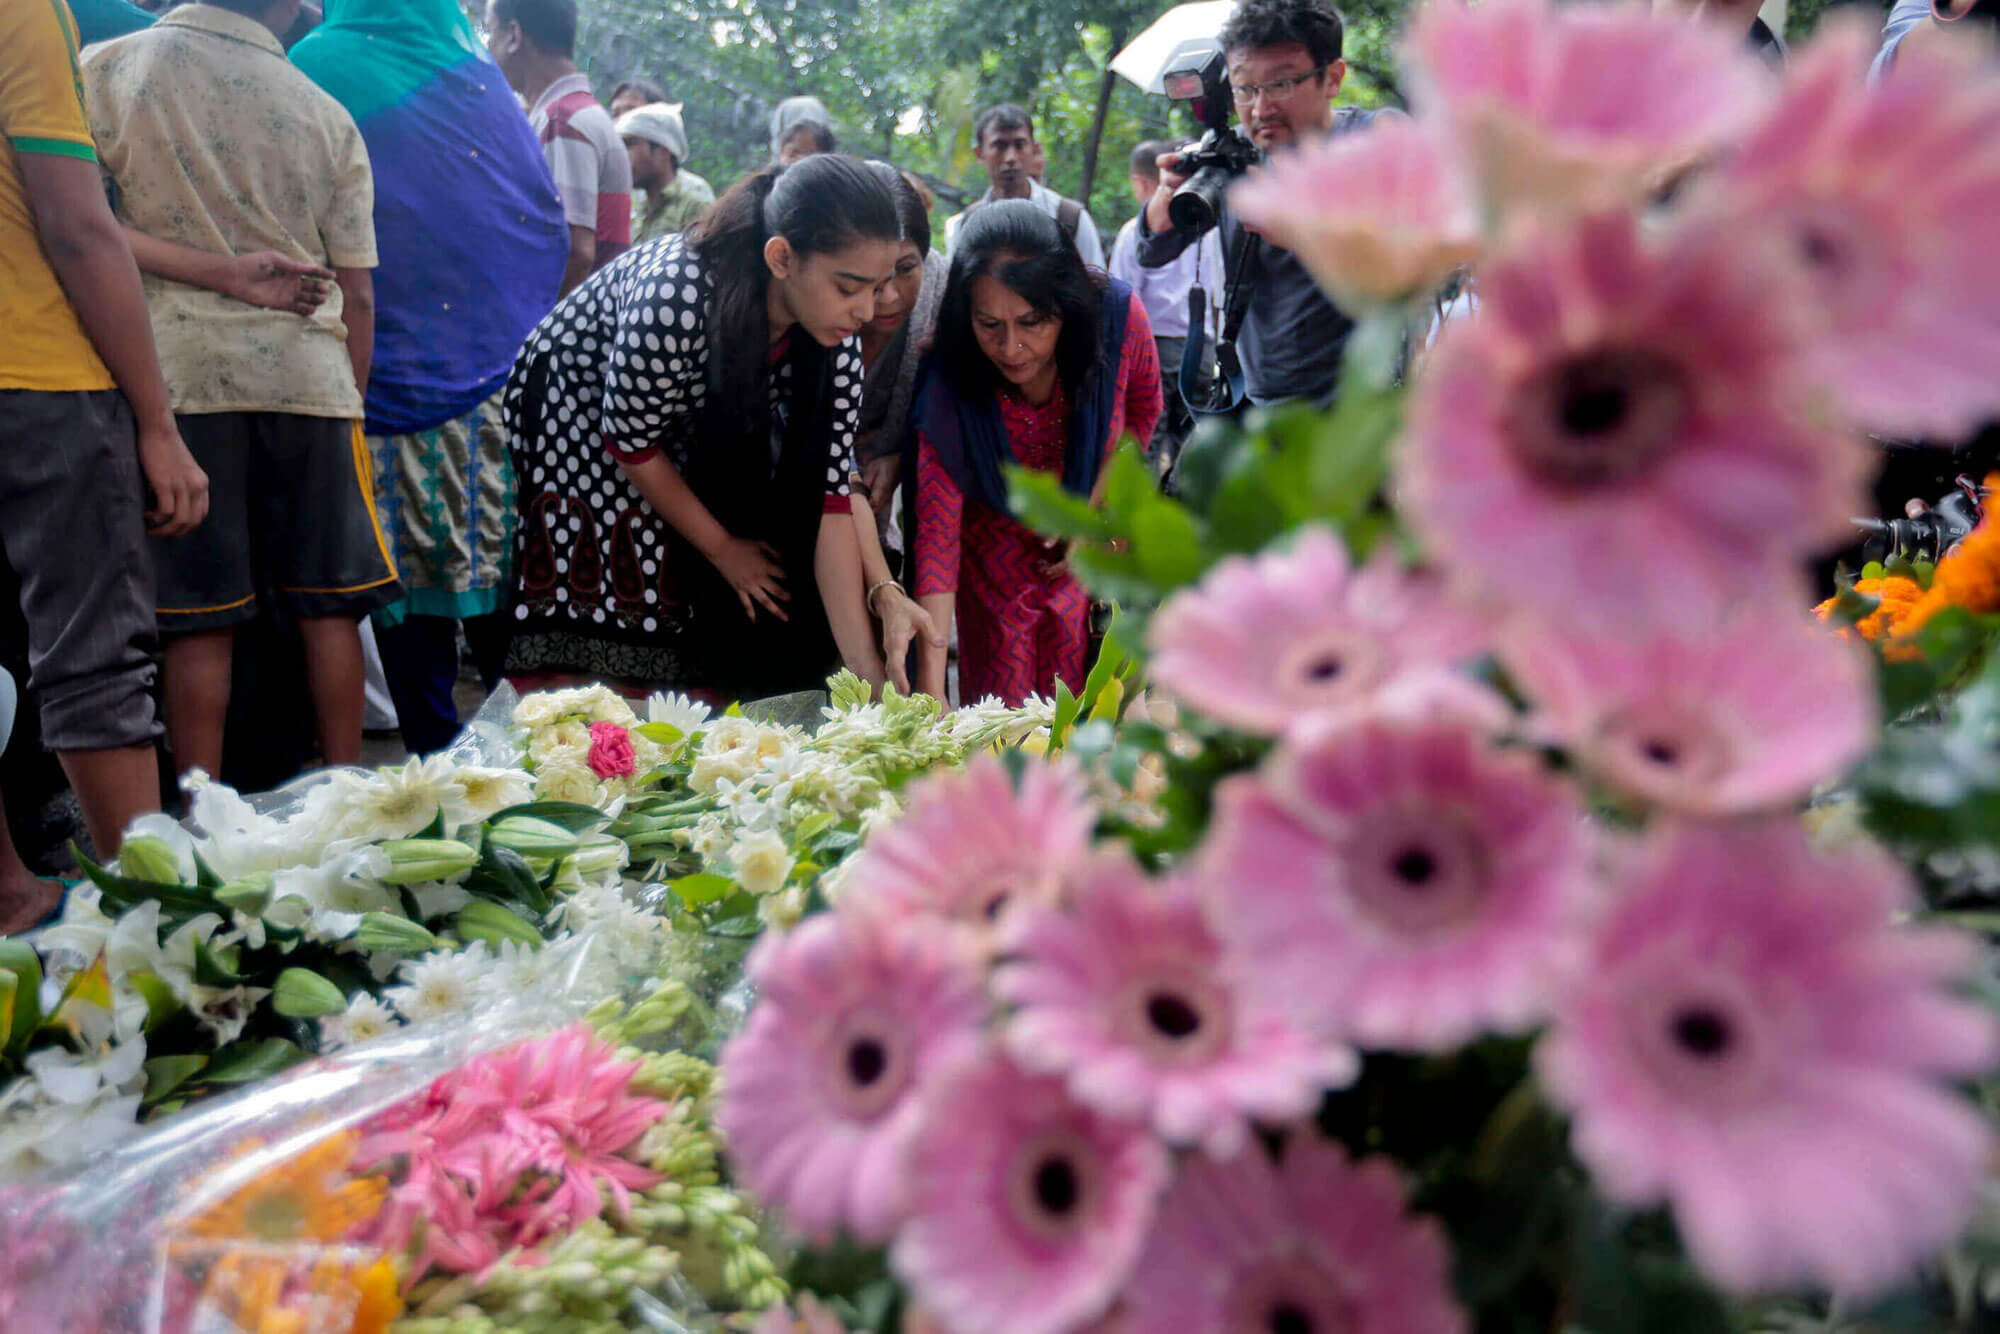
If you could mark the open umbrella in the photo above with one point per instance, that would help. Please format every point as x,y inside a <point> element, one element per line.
<point>1182,31</point>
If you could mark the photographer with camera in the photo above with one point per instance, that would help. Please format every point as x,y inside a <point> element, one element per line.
<point>1282,60</point>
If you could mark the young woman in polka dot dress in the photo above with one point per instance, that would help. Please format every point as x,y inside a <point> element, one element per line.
<point>683,428</point>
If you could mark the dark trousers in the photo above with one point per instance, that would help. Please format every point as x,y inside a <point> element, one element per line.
<point>420,660</point>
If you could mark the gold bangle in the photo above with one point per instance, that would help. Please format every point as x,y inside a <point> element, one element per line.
<point>874,588</point>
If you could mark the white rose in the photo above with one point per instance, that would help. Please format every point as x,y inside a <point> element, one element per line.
<point>537,710</point>
<point>563,780</point>
<point>762,862</point>
<point>781,912</point>
<point>608,706</point>
<point>725,735</point>
<point>711,770</point>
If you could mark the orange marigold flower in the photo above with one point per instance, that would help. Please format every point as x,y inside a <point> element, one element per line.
<point>273,1276</point>
<point>1896,596</point>
<point>311,1196</point>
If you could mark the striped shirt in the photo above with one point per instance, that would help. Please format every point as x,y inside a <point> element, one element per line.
<point>587,158</point>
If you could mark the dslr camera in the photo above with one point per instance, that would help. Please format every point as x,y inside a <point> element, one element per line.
<point>1201,80</point>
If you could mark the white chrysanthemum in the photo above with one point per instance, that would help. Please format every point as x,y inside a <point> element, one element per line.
<point>483,793</point>
<point>440,984</point>
<point>763,862</point>
<point>677,711</point>
<point>635,937</point>
<point>364,1019</point>
<point>591,904</point>
<point>516,970</point>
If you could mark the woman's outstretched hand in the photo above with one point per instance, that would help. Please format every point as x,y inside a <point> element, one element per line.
<point>903,621</point>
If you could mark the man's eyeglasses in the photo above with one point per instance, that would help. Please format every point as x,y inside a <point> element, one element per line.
<point>1274,88</point>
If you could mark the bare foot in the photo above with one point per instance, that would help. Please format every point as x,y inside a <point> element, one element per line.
<point>25,901</point>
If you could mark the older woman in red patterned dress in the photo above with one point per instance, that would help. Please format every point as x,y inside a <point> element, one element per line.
<point>1042,363</point>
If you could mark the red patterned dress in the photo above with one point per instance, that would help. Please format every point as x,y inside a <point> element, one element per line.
<point>1021,625</point>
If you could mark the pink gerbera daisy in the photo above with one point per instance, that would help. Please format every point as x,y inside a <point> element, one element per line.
<point>1623,419</point>
<point>970,844</point>
<point>1738,718</point>
<point>1125,996</point>
<point>1026,1207</point>
<point>820,1089</point>
<point>1265,640</point>
<point>1376,216</point>
<point>1882,195</point>
<point>1578,105</point>
<point>1396,879</point>
<point>1319,1245</point>
<point>1753,1042</point>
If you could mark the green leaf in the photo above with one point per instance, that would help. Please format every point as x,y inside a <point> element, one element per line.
<point>215,968</point>
<point>10,987</point>
<point>123,892</point>
<point>1168,544</point>
<point>1040,501</point>
<point>571,815</point>
<point>661,734</point>
<point>505,876</point>
<point>1067,708</point>
<point>161,1003</point>
<point>696,890</point>
<point>248,1061</point>
<point>1622,1290</point>
<point>205,876</point>
<point>24,1009</point>
<point>164,1074</point>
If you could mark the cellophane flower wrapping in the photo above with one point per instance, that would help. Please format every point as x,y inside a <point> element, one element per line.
<point>534,1160</point>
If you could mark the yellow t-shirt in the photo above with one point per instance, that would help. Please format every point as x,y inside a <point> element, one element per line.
<point>42,343</point>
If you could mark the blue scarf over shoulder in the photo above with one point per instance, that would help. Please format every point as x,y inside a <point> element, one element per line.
<point>970,440</point>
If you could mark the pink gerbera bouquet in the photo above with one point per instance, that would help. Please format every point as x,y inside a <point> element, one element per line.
<point>1536,919</point>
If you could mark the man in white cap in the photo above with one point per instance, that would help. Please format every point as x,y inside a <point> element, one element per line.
<point>656,141</point>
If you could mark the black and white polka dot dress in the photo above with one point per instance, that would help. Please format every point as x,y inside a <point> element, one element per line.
<point>619,371</point>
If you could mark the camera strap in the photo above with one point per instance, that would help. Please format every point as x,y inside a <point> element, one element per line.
<point>1210,400</point>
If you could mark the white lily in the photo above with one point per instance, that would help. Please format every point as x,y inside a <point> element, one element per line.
<point>336,892</point>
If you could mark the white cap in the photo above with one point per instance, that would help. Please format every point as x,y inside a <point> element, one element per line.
<point>656,123</point>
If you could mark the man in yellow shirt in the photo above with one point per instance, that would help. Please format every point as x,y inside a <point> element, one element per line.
<point>86,430</point>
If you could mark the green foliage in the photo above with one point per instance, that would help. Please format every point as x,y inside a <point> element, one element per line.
<point>906,80</point>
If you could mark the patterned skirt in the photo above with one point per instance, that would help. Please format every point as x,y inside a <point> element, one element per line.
<point>446,501</point>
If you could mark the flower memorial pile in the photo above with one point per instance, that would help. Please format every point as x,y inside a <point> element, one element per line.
<point>1483,966</point>
<point>218,954</point>
<point>552,1183</point>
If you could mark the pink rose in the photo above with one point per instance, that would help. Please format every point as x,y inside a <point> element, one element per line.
<point>611,751</point>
